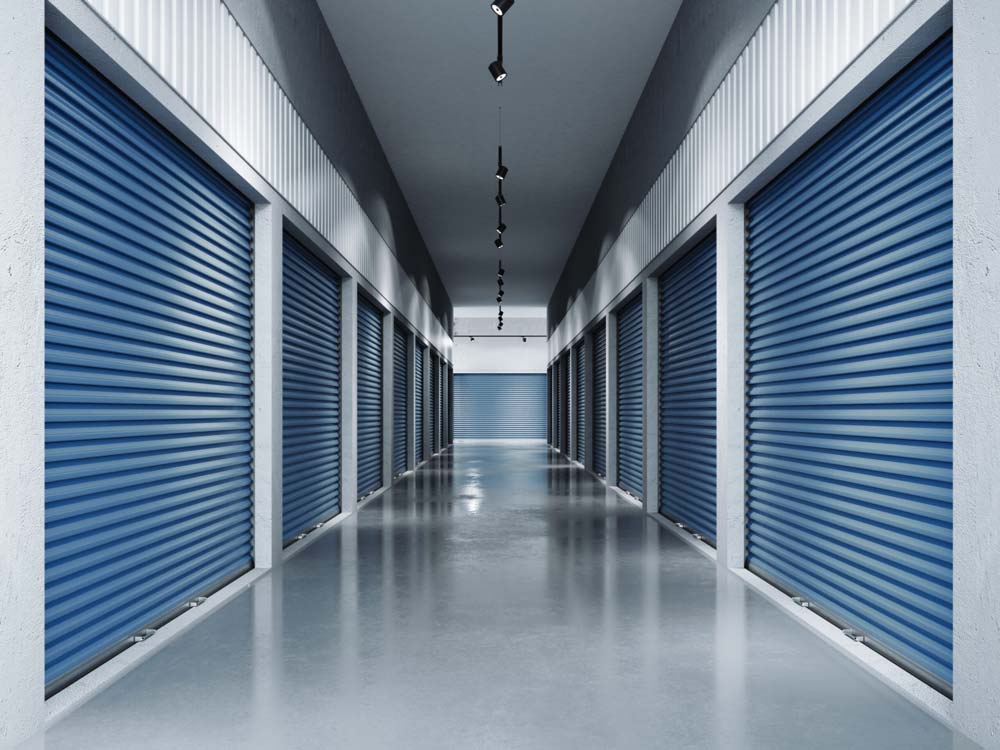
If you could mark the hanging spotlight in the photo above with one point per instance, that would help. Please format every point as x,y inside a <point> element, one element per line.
<point>501,6</point>
<point>497,71</point>
<point>501,201</point>
<point>501,168</point>
<point>501,228</point>
<point>498,242</point>
<point>499,299</point>
<point>524,340</point>
<point>500,271</point>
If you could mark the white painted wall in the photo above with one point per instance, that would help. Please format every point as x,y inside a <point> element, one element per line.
<point>22,383</point>
<point>503,351</point>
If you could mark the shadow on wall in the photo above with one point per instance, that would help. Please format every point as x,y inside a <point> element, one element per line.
<point>295,42</point>
<point>704,42</point>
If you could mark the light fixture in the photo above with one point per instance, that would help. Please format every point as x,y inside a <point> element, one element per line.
<point>499,298</point>
<point>524,340</point>
<point>501,201</point>
<point>498,242</point>
<point>500,271</point>
<point>497,71</point>
<point>501,6</point>
<point>472,338</point>
<point>501,167</point>
<point>501,228</point>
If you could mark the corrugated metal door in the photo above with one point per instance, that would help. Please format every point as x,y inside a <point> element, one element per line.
<point>148,380</point>
<point>850,371</point>
<point>369,397</point>
<point>564,402</point>
<point>557,384</point>
<point>435,403</point>
<point>451,405</point>
<point>548,404</point>
<point>500,406</point>
<point>630,442</point>
<point>310,390</point>
<point>600,422</point>
<point>400,400</point>
<point>687,390</point>
<point>580,397</point>
<point>418,407</point>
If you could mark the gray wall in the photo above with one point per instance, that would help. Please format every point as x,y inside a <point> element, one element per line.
<point>293,39</point>
<point>705,40</point>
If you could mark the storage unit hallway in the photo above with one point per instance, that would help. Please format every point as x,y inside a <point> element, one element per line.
<point>498,597</point>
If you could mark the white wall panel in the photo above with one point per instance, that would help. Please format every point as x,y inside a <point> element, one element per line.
<point>798,50</point>
<point>197,47</point>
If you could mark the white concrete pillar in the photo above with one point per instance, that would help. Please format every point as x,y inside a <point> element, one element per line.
<point>388,391</point>
<point>730,399</point>
<point>412,459</point>
<point>445,404</point>
<point>349,395</point>
<point>267,373</point>
<point>651,392</point>
<point>977,370</point>
<point>22,371</point>
<point>611,367</point>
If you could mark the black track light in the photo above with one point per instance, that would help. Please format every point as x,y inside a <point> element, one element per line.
<point>500,282</point>
<point>499,326</point>
<point>501,228</point>
<point>498,242</point>
<point>499,299</point>
<point>472,338</point>
<point>500,270</point>
<point>524,340</point>
<point>502,172</point>
<point>501,6</point>
<point>501,201</point>
<point>497,71</point>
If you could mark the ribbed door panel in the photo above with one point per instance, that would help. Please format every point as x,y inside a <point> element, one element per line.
<point>148,379</point>
<point>499,407</point>
<point>451,405</point>
<point>310,391</point>
<point>435,403</point>
<point>850,371</point>
<point>418,407</point>
<point>564,402</point>
<point>630,442</point>
<point>369,397</point>
<point>580,397</point>
<point>400,401</point>
<point>687,390</point>
<point>600,421</point>
<point>548,404</point>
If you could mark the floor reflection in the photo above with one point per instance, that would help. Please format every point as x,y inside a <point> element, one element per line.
<point>499,597</point>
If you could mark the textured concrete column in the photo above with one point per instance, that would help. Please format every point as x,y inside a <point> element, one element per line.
<point>651,392</point>
<point>22,371</point>
<point>387,399</point>
<point>349,395</point>
<point>267,386</point>
<point>730,400</point>
<point>412,459</point>
<point>977,370</point>
<point>611,361</point>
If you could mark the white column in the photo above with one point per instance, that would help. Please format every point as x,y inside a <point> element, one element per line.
<point>387,398</point>
<point>349,395</point>
<point>267,386</point>
<point>412,459</point>
<point>22,371</point>
<point>977,370</point>
<point>730,399</point>
<point>445,403</point>
<point>611,362</point>
<point>651,392</point>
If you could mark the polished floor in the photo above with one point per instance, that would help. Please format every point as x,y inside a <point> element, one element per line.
<point>498,598</point>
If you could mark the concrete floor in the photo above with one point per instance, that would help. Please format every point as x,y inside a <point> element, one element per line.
<point>498,598</point>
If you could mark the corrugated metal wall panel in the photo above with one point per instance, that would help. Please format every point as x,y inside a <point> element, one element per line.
<point>631,457</point>
<point>850,370</point>
<point>369,397</point>
<point>310,359</point>
<point>600,381</point>
<point>400,400</point>
<point>148,379</point>
<point>763,92</point>
<point>418,407</point>
<point>580,398</point>
<point>687,427</point>
<point>499,406</point>
<point>205,56</point>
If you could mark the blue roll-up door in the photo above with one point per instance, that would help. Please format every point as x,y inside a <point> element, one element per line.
<point>500,407</point>
<point>557,384</point>
<point>548,404</point>
<point>564,402</point>
<point>148,372</point>
<point>435,403</point>
<point>310,390</point>
<point>369,397</point>
<point>600,422</point>
<point>418,407</point>
<point>451,405</point>
<point>687,390</point>
<point>580,398</point>
<point>630,442</point>
<point>849,359</point>
<point>400,400</point>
